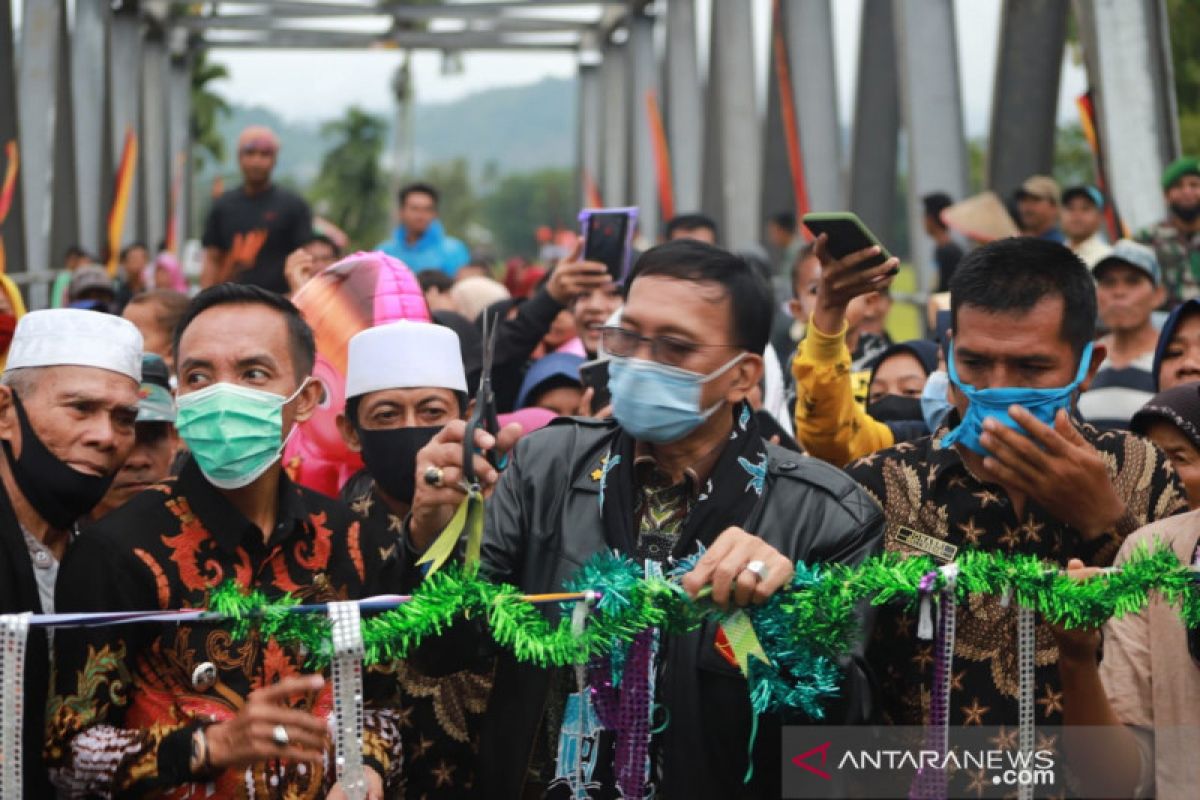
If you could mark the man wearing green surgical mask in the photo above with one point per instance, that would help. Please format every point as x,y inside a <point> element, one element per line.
<point>239,715</point>
<point>1013,471</point>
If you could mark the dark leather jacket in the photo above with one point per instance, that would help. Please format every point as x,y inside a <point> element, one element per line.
<point>543,523</point>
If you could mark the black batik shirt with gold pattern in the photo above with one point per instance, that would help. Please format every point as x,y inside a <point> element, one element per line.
<point>128,697</point>
<point>438,716</point>
<point>935,506</point>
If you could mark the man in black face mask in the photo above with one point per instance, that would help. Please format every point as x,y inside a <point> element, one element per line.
<point>1176,240</point>
<point>68,401</point>
<point>404,382</point>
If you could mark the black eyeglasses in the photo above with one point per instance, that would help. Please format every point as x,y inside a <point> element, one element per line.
<point>663,349</point>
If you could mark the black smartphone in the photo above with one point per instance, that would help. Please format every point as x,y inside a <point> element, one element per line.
<point>594,375</point>
<point>606,238</point>
<point>847,235</point>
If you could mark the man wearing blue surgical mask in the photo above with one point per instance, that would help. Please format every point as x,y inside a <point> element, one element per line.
<point>238,715</point>
<point>682,465</point>
<point>1014,471</point>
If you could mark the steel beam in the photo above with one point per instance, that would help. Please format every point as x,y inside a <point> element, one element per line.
<point>37,88</point>
<point>89,58</point>
<point>591,124</point>
<point>13,229</point>
<point>1025,99</point>
<point>1128,55</point>
<point>153,150</point>
<point>330,40</point>
<point>931,106</point>
<point>179,140</point>
<point>414,12</point>
<point>616,114</point>
<point>125,49</point>
<point>734,144</point>
<point>281,22</point>
<point>643,83</point>
<point>683,101</point>
<point>64,224</point>
<point>876,121</point>
<point>808,28</point>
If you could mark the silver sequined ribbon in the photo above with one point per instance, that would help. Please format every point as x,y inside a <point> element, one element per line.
<point>1026,642</point>
<point>14,629</point>
<point>348,698</point>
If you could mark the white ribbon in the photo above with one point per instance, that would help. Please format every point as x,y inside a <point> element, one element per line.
<point>14,630</point>
<point>579,618</point>
<point>347,672</point>
<point>1026,644</point>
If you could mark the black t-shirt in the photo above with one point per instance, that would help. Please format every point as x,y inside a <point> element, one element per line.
<point>257,233</point>
<point>947,257</point>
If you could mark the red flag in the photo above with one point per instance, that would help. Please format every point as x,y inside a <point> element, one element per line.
<point>787,108</point>
<point>662,156</point>
<point>7,189</point>
<point>121,192</point>
<point>1087,120</point>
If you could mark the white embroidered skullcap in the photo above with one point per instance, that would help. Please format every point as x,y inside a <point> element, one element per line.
<point>404,355</point>
<point>75,337</point>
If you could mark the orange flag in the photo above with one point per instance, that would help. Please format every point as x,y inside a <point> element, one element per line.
<point>120,204</point>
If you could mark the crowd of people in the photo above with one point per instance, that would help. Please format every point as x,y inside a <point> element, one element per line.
<point>748,413</point>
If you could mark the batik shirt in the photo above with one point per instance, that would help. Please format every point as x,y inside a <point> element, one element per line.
<point>936,507</point>
<point>439,716</point>
<point>128,698</point>
<point>1179,256</point>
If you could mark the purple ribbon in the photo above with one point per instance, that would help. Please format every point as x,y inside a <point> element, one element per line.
<point>928,581</point>
<point>626,711</point>
<point>930,782</point>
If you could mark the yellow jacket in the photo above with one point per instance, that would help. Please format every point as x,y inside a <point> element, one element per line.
<point>831,419</point>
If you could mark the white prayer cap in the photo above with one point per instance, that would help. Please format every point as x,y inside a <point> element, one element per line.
<point>58,337</point>
<point>404,355</point>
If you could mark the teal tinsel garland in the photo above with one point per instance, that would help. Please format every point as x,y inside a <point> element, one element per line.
<point>804,629</point>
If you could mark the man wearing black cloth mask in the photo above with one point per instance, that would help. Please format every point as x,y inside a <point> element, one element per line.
<point>682,464</point>
<point>68,401</point>
<point>404,382</point>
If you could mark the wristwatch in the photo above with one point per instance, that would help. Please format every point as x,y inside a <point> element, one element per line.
<point>198,763</point>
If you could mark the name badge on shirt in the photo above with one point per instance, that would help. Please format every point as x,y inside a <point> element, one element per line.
<point>941,550</point>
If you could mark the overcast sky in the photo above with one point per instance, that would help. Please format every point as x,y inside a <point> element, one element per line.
<point>319,85</point>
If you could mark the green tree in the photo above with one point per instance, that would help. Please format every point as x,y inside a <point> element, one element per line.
<point>1073,160</point>
<point>207,109</point>
<point>1184,18</point>
<point>520,203</point>
<point>351,189</point>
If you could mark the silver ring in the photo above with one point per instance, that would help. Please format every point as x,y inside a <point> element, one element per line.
<point>433,476</point>
<point>280,735</point>
<point>758,569</point>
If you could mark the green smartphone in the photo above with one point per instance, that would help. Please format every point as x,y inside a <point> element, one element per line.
<point>847,235</point>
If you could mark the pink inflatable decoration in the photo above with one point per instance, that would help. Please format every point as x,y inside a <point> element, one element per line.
<point>356,293</point>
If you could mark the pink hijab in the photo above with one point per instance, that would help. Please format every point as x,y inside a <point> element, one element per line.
<point>165,261</point>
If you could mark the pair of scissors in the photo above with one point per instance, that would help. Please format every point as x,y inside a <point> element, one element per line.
<point>484,416</point>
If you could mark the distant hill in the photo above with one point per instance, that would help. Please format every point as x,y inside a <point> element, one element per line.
<point>515,129</point>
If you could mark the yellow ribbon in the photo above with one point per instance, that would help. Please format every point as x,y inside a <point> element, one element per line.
<point>468,517</point>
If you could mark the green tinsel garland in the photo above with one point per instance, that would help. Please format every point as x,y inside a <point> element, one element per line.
<point>803,628</point>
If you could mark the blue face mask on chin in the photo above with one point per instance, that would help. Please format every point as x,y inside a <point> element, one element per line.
<point>1042,403</point>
